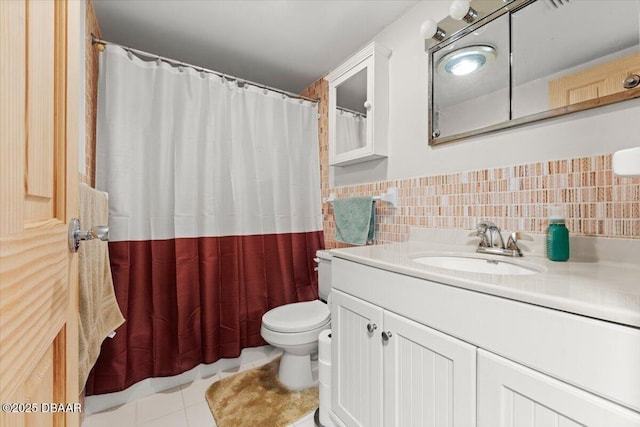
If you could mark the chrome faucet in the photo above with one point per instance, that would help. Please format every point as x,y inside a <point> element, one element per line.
<point>491,241</point>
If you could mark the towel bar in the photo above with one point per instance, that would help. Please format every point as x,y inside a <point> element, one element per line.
<point>391,197</point>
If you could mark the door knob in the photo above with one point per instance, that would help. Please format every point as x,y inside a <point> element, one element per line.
<point>386,336</point>
<point>76,235</point>
<point>371,327</point>
<point>631,81</point>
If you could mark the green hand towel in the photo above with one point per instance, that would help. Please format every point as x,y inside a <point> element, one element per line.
<point>355,219</point>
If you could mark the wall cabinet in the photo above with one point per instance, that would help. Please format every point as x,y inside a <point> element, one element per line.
<point>392,371</point>
<point>359,107</point>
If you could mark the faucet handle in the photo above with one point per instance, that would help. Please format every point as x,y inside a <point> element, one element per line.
<point>512,242</point>
<point>482,234</point>
<point>519,235</point>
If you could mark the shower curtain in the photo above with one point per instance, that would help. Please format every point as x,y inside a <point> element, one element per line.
<point>214,213</point>
<point>351,131</point>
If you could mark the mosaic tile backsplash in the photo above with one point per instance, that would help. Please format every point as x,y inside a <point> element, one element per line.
<point>596,202</point>
<point>516,198</point>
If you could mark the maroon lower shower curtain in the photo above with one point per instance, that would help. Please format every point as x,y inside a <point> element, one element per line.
<point>214,214</point>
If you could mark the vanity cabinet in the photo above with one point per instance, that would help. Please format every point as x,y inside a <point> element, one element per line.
<point>511,395</point>
<point>359,107</point>
<point>356,361</point>
<point>392,371</point>
<point>457,357</point>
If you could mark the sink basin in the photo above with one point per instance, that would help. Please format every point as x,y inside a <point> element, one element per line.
<point>476,265</point>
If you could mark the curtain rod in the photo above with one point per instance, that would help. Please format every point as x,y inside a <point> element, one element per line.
<point>97,41</point>
<point>351,111</point>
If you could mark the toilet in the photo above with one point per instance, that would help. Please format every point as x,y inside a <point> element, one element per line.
<point>295,328</point>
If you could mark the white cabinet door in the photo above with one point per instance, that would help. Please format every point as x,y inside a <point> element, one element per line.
<point>430,377</point>
<point>361,85</point>
<point>356,354</point>
<point>511,395</point>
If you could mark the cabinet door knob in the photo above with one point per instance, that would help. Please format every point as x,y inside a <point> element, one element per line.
<point>368,105</point>
<point>371,327</point>
<point>386,335</point>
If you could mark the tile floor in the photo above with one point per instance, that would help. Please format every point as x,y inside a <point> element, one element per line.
<point>184,406</point>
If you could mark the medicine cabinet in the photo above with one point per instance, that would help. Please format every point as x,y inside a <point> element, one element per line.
<point>359,107</point>
<point>522,61</point>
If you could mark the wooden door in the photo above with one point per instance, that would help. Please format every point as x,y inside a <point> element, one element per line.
<point>39,117</point>
<point>429,377</point>
<point>356,361</point>
<point>592,83</point>
<point>511,395</point>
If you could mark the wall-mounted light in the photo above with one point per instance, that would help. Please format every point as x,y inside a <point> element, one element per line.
<point>430,29</point>
<point>461,9</point>
<point>466,60</point>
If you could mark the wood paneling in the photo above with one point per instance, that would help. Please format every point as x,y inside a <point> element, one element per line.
<point>34,289</point>
<point>67,154</point>
<point>40,60</point>
<point>12,114</point>
<point>38,275</point>
<point>91,105</point>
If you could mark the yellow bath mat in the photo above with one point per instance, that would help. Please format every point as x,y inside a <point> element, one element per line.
<point>256,398</point>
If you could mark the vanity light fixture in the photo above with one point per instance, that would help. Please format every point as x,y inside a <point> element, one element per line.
<point>466,60</point>
<point>429,29</point>
<point>462,10</point>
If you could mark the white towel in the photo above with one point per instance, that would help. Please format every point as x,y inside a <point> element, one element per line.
<point>99,313</point>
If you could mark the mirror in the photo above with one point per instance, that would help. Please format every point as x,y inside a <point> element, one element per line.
<point>351,114</point>
<point>566,56</point>
<point>471,80</point>
<point>585,52</point>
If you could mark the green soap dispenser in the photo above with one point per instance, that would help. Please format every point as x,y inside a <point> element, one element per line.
<point>557,235</point>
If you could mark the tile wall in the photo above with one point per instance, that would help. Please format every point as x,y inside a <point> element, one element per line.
<point>515,197</point>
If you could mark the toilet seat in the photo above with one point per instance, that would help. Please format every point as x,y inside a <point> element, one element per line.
<point>297,317</point>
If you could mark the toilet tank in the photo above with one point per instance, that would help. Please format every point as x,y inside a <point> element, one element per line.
<point>323,258</point>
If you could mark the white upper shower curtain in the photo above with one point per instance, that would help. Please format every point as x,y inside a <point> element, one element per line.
<point>351,131</point>
<point>214,210</point>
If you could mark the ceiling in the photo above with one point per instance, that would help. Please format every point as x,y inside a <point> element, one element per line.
<point>286,44</point>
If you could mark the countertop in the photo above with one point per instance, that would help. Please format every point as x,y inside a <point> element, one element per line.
<point>592,286</point>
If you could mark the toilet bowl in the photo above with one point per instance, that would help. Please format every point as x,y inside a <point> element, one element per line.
<point>295,328</point>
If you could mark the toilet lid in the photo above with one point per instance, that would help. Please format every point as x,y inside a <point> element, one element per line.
<point>297,317</point>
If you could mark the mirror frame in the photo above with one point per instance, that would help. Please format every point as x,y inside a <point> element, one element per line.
<point>489,10</point>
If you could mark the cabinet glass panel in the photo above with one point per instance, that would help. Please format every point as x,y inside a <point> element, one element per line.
<point>351,114</point>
